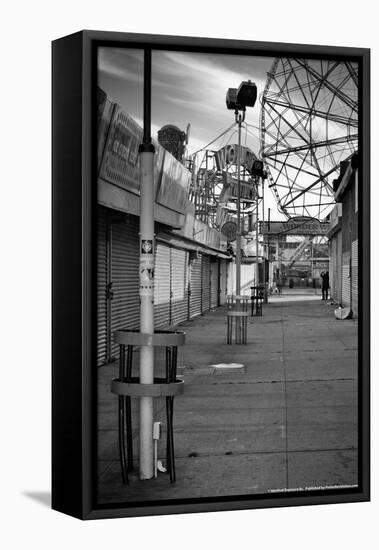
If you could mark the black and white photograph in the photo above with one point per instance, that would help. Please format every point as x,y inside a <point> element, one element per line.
<point>189,275</point>
<point>228,261</point>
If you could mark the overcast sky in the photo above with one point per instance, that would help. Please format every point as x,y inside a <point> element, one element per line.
<point>186,88</point>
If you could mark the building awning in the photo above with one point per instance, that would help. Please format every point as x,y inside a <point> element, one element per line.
<point>187,244</point>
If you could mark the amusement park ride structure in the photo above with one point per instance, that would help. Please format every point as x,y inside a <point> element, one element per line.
<point>308,126</point>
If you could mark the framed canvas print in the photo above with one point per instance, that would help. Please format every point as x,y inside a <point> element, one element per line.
<point>211,291</point>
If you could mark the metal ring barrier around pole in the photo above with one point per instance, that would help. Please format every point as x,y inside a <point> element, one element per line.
<point>127,387</point>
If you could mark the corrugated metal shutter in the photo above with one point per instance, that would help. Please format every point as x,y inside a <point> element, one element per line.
<point>195,285</point>
<point>125,276</point>
<point>162,285</point>
<point>346,279</point>
<point>214,266</point>
<point>206,286</point>
<point>179,285</point>
<point>101,286</point>
<point>354,275</point>
<point>333,269</point>
<point>339,267</point>
<point>223,281</point>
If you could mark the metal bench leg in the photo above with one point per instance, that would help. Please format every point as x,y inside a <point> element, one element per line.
<point>129,431</point>
<point>121,439</point>
<point>169,417</point>
<point>173,378</point>
<point>121,420</point>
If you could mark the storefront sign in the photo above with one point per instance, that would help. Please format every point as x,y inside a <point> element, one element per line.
<point>104,116</point>
<point>204,234</point>
<point>295,226</point>
<point>120,164</point>
<point>174,185</point>
<point>120,160</point>
<point>189,224</point>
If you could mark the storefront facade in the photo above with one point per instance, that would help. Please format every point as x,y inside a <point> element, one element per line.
<point>343,238</point>
<point>189,255</point>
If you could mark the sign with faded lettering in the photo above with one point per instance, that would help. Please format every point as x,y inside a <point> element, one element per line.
<point>120,162</point>
<point>248,190</point>
<point>104,115</point>
<point>174,185</point>
<point>294,226</point>
<point>229,155</point>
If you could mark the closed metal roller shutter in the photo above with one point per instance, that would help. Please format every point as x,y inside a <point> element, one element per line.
<point>214,266</point>
<point>162,284</point>
<point>336,268</point>
<point>354,275</point>
<point>179,285</point>
<point>206,284</point>
<point>125,276</point>
<point>223,281</point>
<point>195,285</point>
<point>346,281</point>
<point>333,269</point>
<point>339,267</point>
<point>101,286</point>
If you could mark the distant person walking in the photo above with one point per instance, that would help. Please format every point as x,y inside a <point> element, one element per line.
<point>325,284</point>
<point>279,284</point>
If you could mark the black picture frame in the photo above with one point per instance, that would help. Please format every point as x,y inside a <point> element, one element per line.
<point>74,330</point>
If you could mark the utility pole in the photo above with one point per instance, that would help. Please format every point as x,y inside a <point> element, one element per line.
<point>146,276</point>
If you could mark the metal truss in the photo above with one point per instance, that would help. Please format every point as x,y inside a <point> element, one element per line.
<point>211,190</point>
<point>309,124</point>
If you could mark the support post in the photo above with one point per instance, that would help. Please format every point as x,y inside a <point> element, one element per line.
<point>265,296</point>
<point>239,120</point>
<point>146,275</point>
<point>238,232</point>
<point>256,244</point>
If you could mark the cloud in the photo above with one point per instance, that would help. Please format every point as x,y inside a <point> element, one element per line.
<point>186,88</point>
<point>125,64</point>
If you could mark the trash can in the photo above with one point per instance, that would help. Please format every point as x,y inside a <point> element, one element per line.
<point>237,314</point>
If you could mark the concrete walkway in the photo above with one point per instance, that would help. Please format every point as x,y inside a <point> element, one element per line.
<point>286,420</point>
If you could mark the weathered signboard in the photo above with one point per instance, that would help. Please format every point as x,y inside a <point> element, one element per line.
<point>120,164</point>
<point>248,191</point>
<point>120,161</point>
<point>294,226</point>
<point>174,185</point>
<point>104,115</point>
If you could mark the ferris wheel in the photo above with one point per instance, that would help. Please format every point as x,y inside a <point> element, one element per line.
<point>309,124</point>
